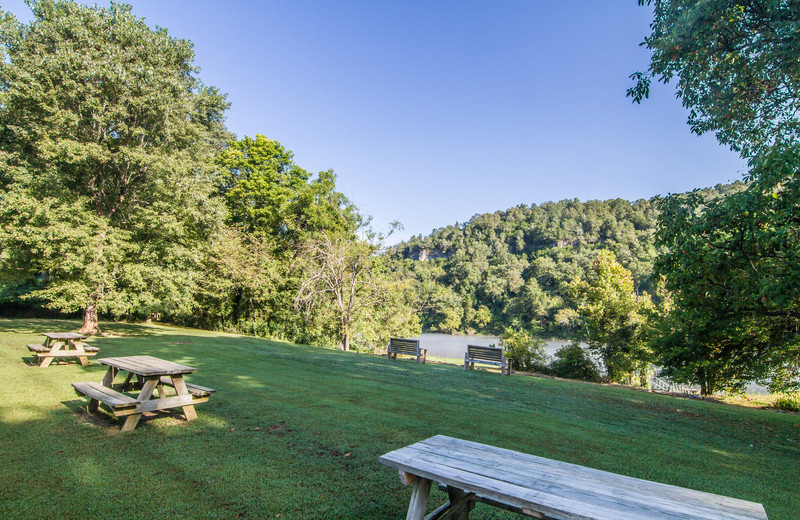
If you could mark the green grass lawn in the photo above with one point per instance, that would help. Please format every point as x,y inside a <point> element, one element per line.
<point>295,432</point>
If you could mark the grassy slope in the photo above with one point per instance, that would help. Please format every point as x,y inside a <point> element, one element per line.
<point>295,432</point>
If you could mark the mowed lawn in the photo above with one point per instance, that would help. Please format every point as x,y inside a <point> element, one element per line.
<point>295,432</point>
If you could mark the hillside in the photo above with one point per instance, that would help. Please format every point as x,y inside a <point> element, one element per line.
<point>511,267</point>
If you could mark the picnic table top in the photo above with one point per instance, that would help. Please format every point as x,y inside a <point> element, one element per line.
<point>63,335</point>
<point>147,365</point>
<point>559,489</point>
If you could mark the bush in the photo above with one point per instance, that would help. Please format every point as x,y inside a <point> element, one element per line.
<point>788,402</point>
<point>573,362</point>
<point>525,352</point>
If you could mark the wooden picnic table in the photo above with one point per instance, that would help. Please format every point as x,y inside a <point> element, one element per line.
<point>62,345</point>
<point>151,375</point>
<point>545,488</point>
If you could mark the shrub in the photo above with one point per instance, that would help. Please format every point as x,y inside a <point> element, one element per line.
<point>573,362</point>
<point>524,351</point>
<point>788,402</point>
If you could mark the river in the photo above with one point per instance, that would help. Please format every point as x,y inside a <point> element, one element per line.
<point>454,346</point>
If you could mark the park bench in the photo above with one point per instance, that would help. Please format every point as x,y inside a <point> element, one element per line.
<point>488,355</point>
<point>544,488</point>
<point>409,347</point>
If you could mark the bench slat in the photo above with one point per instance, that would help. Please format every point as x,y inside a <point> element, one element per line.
<point>36,347</point>
<point>105,395</point>
<point>64,353</point>
<point>196,390</point>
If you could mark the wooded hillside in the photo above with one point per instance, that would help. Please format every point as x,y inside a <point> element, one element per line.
<point>511,268</point>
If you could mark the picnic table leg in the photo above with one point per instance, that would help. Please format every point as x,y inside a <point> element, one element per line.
<point>180,389</point>
<point>147,390</point>
<point>79,347</point>
<point>54,346</point>
<point>108,379</point>
<point>457,495</point>
<point>419,499</point>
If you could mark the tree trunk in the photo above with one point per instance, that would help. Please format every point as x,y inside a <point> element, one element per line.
<point>90,324</point>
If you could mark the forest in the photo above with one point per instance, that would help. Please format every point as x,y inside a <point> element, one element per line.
<point>124,196</point>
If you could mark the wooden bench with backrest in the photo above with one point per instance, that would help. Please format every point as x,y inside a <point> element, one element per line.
<point>545,488</point>
<point>409,347</point>
<point>487,355</point>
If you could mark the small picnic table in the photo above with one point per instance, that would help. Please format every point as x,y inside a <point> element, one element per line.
<point>151,374</point>
<point>62,345</point>
<point>545,488</point>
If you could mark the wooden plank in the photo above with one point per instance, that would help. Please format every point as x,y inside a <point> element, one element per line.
<point>558,489</point>
<point>35,347</point>
<point>65,353</point>
<point>61,336</point>
<point>105,395</point>
<point>147,365</point>
<point>194,389</point>
<point>507,462</point>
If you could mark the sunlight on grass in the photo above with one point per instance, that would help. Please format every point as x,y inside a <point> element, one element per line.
<point>290,418</point>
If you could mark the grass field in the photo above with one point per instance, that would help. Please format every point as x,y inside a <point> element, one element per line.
<point>295,432</point>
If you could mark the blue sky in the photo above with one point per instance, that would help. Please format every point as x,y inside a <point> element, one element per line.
<point>430,112</point>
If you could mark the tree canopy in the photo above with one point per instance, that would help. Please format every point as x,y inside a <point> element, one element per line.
<point>736,66</point>
<point>106,132</point>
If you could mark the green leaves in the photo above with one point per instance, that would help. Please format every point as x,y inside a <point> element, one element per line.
<point>736,65</point>
<point>105,123</point>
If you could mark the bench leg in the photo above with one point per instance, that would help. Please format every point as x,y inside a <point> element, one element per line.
<point>92,407</point>
<point>462,511</point>
<point>180,389</point>
<point>419,499</point>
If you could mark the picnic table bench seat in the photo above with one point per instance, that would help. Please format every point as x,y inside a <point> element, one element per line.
<point>495,356</point>
<point>36,347</point>
<point>117,402</point>
<point>195,390</point>
<point>408,347</point>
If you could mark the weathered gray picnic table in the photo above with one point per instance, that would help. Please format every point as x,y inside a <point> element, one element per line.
<point>544,488</point>
<point>151,374</point>
<point>62,345</point>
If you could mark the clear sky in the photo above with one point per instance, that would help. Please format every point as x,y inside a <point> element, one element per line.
<point>430,112</point>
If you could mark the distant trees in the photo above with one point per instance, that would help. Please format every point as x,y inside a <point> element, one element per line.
<point>615,317</point>
<point>344,279</point>
<point>513,268</point>
<point>106,138</point>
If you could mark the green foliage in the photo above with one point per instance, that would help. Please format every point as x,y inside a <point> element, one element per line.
<point>736,64</point>
<point>516,265</point>
<point>788,403</point>
<point>573,362</point>
<point>106,132</point>
<point>525,352</point>
<point>268,195</point>
<point>615,317</point>
<point>733,266</point>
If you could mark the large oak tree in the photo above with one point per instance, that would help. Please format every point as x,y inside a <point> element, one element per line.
<point>105,133</point>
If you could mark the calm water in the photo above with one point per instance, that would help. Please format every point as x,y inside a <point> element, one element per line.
<point>454,346</point>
